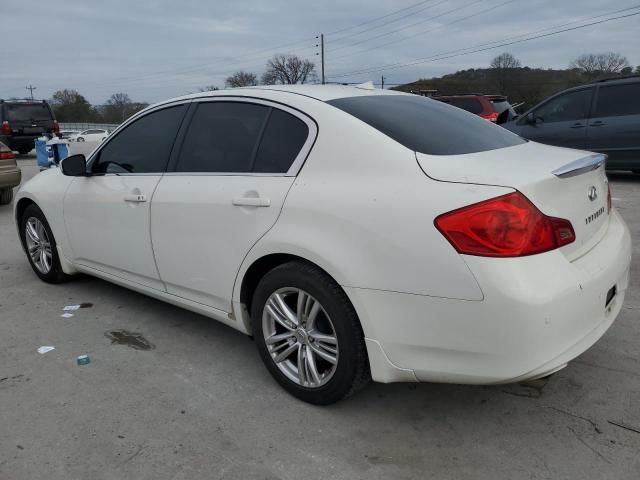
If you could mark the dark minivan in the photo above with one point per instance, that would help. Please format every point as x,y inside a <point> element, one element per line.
<point>603,117</point>
<point>22,121</point>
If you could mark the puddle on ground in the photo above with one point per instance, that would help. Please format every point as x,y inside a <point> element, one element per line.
<point>130,339</point>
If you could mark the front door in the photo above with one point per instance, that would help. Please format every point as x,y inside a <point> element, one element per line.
<point>107,214</point>
<point>237,162</point>
<point>562,121</point>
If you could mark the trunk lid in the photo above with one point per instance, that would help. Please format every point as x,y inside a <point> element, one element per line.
<point>577,191</point>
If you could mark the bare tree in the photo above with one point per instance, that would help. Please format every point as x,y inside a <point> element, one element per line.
<point>596,63</point>
<point>288,69</point>
<point>241,79</point>
<point>209,88</point>
<point>503,71</point>
<point>119,106</point>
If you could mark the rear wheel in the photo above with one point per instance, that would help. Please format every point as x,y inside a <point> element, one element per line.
<point>24,150</point>
<point>6,196</point>
<point>40,246</point>
<point>79,139</point>
<point>308,334</point>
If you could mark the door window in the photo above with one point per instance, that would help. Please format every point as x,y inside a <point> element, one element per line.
<point>281,143</point>
<point>222,137</point>
<point>567,107</point>
<point>618,100</point>
<point>143,146</point>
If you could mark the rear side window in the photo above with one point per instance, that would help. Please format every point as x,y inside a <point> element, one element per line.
<point>283,139</point>
<point>618,100</point>
<point>427,126</point>
<point>222,137</point>
<point>566,107</point>
<point>472,105</point>
<point>143,146</point>
<point>28,112</point>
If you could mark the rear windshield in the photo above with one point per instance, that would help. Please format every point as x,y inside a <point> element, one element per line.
<point>472,105</point>
<point>427,126</point>
<point>26,112</point>
<point>500,105</point>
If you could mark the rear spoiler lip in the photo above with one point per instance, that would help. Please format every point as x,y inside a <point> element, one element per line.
<point>581,165</point>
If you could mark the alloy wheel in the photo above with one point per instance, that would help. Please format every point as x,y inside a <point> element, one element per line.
<point>38,245</point>
<point>300,337</point>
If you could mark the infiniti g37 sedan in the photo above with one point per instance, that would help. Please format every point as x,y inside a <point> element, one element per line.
<point>356,233</point>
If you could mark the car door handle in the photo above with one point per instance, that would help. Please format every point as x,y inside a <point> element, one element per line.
<point>251,202</point>
<point>578,125</point>
<point>135,197</point>
<point>597,123</point>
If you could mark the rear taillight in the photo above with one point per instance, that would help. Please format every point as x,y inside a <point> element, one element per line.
<point>505,226</point>
<point>56,127</point>
<point>6,154</point>
<point>6,128</point>
<point>492,117</point>
<point>609,203</point>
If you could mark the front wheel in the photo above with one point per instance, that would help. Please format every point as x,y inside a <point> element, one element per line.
<point>6,196</point>
<point>308,334</point>
<point>40,246</point>
<point>79,139</point>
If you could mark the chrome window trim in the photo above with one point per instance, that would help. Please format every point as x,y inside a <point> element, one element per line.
<point>297,163</point>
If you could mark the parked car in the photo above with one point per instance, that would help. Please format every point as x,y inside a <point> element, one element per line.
<point>22,121</point>
<point>603,117</point>
<point>91,135</point>
<point>495,108</point>
<point>67,134</point>
<point>10,174</point>
<point>322,220</point>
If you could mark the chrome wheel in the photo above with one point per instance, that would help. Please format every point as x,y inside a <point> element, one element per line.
<point>38,245</point>
<point>300,337</point>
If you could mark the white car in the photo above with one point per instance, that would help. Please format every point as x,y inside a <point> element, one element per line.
<point>355,233</point>
<point>91,135</point>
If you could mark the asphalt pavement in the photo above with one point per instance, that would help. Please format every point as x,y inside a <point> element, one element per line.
<point>180,396</point>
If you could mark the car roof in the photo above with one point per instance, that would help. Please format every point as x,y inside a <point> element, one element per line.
<point>323,93</point>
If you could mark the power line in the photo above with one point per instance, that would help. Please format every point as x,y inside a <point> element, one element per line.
<point>452,54</point>
<point>424,31</point>
<point>391,32</point>
<point>389,22</point>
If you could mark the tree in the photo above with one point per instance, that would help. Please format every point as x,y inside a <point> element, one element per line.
<point>288,69</point>
<point>503,71</point>
<point>241,79</point>
<point>69,106</point>
<point>119,107</point>
<point>638,69</point>
<point>598,63</point>
<point>209,88</point>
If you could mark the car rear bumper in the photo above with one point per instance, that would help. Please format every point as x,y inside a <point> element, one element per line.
<point>10,178</point>
<point>538,313</point>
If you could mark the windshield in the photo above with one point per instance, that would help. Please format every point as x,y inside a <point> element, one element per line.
<point>427,126</point>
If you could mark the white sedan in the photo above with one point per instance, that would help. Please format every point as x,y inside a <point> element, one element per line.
<point>91,135</point>
<point>355,233</point>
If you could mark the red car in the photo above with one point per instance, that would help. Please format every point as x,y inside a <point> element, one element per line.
<point>489,107</point>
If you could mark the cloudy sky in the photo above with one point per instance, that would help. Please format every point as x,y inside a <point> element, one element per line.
<point>155,49</point>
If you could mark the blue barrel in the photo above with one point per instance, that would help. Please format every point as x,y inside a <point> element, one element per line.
<point>42,154</point>
<point>60,151</point>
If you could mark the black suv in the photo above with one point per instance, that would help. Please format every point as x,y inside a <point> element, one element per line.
<point>22,121</point>
<point>603,116</point>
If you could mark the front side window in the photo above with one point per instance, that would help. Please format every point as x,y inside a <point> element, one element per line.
<point>567,107</point>
<point>427,126</point>
<point>143,146</point>
<point>618,100</point>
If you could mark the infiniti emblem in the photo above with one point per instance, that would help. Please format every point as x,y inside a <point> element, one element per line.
<point>593,193</point>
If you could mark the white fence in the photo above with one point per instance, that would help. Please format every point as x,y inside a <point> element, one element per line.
<point>86,126</point>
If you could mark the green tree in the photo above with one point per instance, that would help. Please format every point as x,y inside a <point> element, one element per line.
<point>70,106</point>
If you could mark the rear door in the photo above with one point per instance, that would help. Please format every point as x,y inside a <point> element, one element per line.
<point>237,161</point>
<point>614,127</point>
<point>560,121</point>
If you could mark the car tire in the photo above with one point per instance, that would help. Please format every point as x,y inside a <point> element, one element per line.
<point>6,195</point>
<point>24,151</point>
<point>79,139</point>
<point>311,343</point>
<point>44,237</point>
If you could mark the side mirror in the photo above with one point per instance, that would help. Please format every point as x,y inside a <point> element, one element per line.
<point>74,166</point>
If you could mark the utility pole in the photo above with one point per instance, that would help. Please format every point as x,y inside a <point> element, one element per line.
<point>382,81</point>
<point>322,55</point>
<point>31,88</point>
